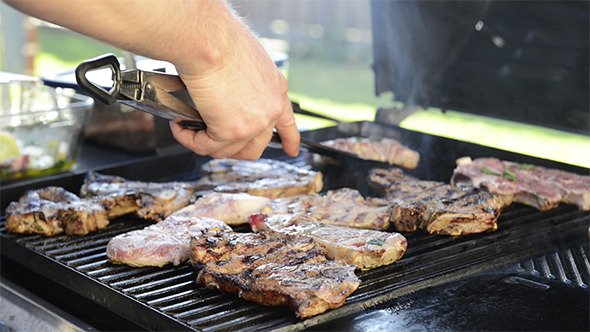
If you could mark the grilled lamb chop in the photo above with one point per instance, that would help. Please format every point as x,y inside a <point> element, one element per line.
<point>342,207</point>
<point>540,187</point>
<point>386,150</point>
<point>278,271</point>
<point>308,288</point>
<point>361,247</point>
<point>149,200</point>
<point>230,252</point>
<point>168,241</point>
<point>54,210</point>
<point>265,177</point>
<point>163,243</point>
<point>440,208</point>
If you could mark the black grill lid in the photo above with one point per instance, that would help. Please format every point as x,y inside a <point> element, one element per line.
<point>525,61</point>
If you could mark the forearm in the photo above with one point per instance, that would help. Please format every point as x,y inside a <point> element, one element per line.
<point>179,31</point>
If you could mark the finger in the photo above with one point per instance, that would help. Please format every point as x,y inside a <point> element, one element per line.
<point>254,148</point>
<point>197,141</point>
<point>287,128</point>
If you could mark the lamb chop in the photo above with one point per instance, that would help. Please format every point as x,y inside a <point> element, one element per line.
<point>264,177</point>
<point>148,200</point>
<point>341,207</point>
<point>387,150</point>
<point>540,187</point>
<point>277,271</point>
<point>168,241</point>
<point>361,247</point>
<point>53,210</point>
<point>308,288</point>
<point>438,208</point>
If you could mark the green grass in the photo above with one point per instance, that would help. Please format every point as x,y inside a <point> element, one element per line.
<point>345,91</point>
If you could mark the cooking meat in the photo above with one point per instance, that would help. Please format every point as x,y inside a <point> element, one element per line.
<point>168,241</point>
<point>386,150</point>
<point>230,252</point>
<point>540,187</point>
<point>308,288</point>
<point>233,209</point>
<point>163,243</point>
<point>440,208</point>
<point>380,179</point>
<point>342,207</point>
<point>54,210</point>
<point>361,247</point>
<point>264,177</point>
<point>276,271</point>
<point>148,200</point>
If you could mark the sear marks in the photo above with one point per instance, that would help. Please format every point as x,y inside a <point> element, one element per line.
<point>361,247</point>
<point>288,271</point>
<point>436,207</point>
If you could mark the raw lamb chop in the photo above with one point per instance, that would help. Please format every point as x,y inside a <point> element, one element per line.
<point>540,187</point>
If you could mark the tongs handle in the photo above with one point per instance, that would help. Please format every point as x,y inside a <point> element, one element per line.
<point>104,61</point>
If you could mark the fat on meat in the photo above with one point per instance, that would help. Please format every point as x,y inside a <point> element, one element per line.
<point>264,177</point>
<point>341,207</point>
<point>363,248</point>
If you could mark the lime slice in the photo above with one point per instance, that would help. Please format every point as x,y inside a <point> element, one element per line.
<point>8,148</point>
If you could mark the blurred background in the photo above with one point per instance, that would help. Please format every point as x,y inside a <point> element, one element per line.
<point>331,51</point>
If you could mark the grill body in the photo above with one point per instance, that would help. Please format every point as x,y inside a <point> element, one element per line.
<point>491,281</point>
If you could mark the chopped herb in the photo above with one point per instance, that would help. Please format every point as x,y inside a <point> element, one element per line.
<point>486,170</point>
<point>376,242</point>
<point>525,167</point>
<point>509,175</point>
<point>71,218</point>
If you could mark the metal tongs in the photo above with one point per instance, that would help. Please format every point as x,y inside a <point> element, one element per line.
<point>162,95</point>
<point>157,93</point>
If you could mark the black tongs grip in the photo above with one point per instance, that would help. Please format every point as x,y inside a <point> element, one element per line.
<point>106,61</point>
<point>157,93</point>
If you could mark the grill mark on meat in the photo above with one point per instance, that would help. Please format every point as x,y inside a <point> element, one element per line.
<point>361,247</point>
<point>278,271</point>
<point>341,207</point>
<point>309,288</point>
<point>540,187</point>
<point>53,210</point>
<point>436,207</point>
<point>168,241</point>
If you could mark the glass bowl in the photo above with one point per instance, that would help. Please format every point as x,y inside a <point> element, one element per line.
<point>41,128</point>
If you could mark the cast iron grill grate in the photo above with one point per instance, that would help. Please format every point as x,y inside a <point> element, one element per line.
<point>172,291</point>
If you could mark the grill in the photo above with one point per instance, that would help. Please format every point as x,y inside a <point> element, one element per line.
<point>471,282</point>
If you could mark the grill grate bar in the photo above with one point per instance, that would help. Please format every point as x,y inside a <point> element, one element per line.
<point>150,281</point>
<point>167,289</point>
